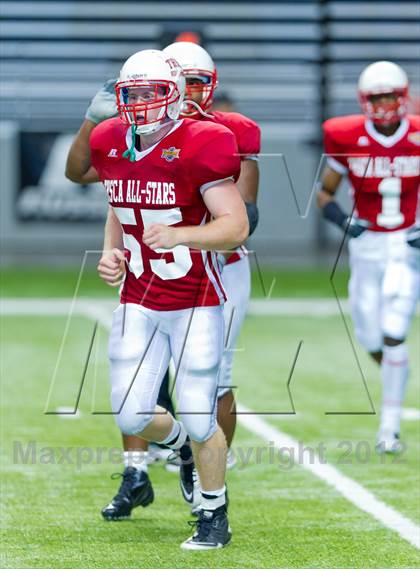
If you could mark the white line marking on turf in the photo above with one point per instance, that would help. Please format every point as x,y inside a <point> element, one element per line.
<point>350,489</point>
<point>317,307</point>
<point>409,414</point>
<point>258,307</point>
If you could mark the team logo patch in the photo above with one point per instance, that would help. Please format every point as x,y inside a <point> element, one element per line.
<point>363,141</point>
<point>113,153</point>
<point>414,137</point>
<point>171,153</point>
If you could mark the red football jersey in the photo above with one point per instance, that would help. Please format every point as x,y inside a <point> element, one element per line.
<point>248,139</point>
<point>165,185</point>
<point>384,171</point>
<point>246,131</point>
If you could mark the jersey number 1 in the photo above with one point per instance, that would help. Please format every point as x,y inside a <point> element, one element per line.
<point>166,270</point>
<point>390,216</point>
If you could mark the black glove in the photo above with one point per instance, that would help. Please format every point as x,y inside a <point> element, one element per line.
<point>352,226</point>
<point>355,226</point>
<point>413,236</point>
<point>253,215</point>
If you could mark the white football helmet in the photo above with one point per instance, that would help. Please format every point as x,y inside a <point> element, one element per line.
<point>383,78</point>
<point>150,89</point>
<point>196,64</point>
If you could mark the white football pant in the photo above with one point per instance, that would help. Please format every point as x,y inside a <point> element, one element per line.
<point>236,279</point>
<point>141,344</point>
<point>384,286</point>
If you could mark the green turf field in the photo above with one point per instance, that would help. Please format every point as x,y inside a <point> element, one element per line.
<point>282,516</point>
<point>62,282</point>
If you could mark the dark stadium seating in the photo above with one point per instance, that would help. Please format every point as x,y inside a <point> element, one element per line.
<point>287,63</point>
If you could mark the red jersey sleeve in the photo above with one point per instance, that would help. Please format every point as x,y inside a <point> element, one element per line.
<point>216,158</point>
<point>246,131</point>
<point>249,143</point>
<point>102,138</point>
<point>95,142</point>
<point>333,147</point>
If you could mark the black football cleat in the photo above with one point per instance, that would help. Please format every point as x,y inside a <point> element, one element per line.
<point>135,490</point>
<point>212,531</point>
<point>187,473</point>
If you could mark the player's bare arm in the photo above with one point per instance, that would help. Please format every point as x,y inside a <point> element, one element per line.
<point>330,181</point>
<point>248,187</point>
<point>248,181</point>
<point>227,230</point>
<point>102,107</point>
<point>78,166</point>
<point>111,267</point>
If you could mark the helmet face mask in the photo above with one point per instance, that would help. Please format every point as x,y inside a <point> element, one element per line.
<point>385,109</point>
<point>200,88</point>
<point>383,93</point>
<point>150,91</point>
<point>143,103</point>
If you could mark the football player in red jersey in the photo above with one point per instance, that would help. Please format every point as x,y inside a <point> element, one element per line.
<point>174,202</point>
<point>379,152</point>
<point>201,78</point>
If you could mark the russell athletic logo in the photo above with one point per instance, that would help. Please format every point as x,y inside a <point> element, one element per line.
<point>169,154</point>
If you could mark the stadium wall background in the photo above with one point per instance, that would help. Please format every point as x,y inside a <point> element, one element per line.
<point>286,65</point>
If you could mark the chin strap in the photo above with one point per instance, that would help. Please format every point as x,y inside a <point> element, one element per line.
<point>130,152</point>
<point>199,109</point>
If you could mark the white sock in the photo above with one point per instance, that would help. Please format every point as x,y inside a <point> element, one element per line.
<point>394,371</point>
<point>136,458</point>
<point>212,499</point>
<point>177,437</point>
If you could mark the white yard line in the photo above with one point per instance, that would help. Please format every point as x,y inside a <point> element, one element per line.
<point>409,414</point>
<point>347,487</point>
<point>259,307</point>
<point>317,307</point>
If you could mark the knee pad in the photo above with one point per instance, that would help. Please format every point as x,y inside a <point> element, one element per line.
<point>370,339</point>
<point>397,317</point>
<point>129,415</point>
<point>198,414</point>
<point>132,423</point>
<point>367,322</point>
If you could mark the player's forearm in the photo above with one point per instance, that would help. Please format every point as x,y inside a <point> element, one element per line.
<point>323,198</point>
<point>223,233</point>
<point>328,186</point>
<point>78,167</point>
<point>113,235</point>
